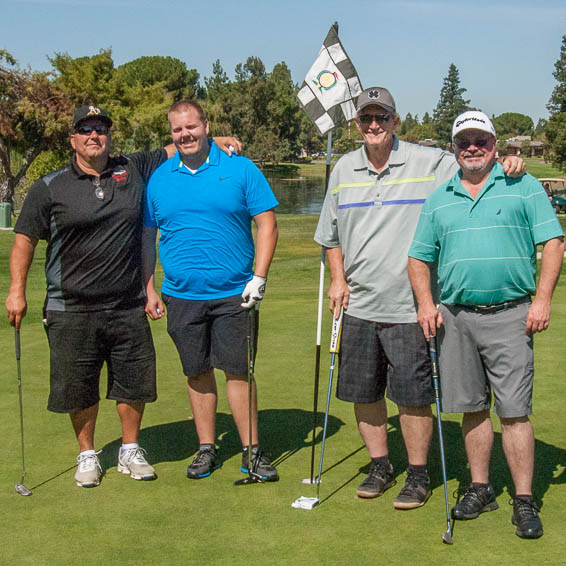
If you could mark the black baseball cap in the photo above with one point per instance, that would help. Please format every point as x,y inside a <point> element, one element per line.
<point>85,112</point>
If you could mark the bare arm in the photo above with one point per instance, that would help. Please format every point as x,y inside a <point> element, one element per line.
<point>20,262</point>
<point>338,292</point>
<point>154,306</point>
<point>428,315</point>
<point>226,144</point>
<point>266,240</point>
<point>538,316</point>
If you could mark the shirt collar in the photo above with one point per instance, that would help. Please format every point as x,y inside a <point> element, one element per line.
<point>212,159</point>
<point>455,184</point>
<point>397,156</point>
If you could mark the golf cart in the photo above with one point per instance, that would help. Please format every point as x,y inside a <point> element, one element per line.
<point>556,188</point>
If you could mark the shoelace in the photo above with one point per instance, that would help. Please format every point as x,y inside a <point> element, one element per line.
<point>136,455</point>
<point>88,462</point>
<point>377,470</point>
<point>414,479</point>
<point>473,494</point>
<point>526,509</point>
<point>202,457</point>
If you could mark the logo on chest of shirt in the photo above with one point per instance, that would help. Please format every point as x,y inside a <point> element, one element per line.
<point>119,175</point>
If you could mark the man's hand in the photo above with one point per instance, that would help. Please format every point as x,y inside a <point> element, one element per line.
<point>154,306</point>
<point>339,295</point>
<point>229,145</point>
<point>17,307</point>
<point>254,291</point>
<point>513,166</point>
<point>430,319</point>
<point>538,316</point>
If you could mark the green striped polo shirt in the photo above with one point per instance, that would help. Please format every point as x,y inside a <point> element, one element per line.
<point>485,247</point>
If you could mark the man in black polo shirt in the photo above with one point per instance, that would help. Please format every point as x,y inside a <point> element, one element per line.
<point>91,216</point>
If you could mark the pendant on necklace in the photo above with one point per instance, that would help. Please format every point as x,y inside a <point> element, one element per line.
<point>99,193</point>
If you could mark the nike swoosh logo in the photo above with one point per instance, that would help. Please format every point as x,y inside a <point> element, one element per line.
<point>223,178</point>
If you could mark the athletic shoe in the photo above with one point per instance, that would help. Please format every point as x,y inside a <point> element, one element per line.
<point>205,462</point>
<point>132,461</point>
<point>261,465</point>
<point>525,517</point>
<point>89,471</point>
<point>415,492</point>
<point>476,500</point>
<point>379,479</point>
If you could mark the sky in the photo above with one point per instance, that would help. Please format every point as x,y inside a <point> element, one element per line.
<point>505,50</point>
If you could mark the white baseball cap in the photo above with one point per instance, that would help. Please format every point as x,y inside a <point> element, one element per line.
<point>472,120</point>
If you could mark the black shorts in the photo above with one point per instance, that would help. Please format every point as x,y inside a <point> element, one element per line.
<point>80,343</point>
<point>375,356</point>
<point>209,334</point>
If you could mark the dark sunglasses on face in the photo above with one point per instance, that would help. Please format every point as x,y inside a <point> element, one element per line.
<point>465,144</point>
<point>87,129</point>
<point>379,118</point>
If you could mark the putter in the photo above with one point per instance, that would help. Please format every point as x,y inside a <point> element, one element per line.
<point>446,536</point>
<point>253,316</point>
<point>20,487</point>
<point>311,502</point>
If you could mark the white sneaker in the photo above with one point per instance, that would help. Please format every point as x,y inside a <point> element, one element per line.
<point>132,461</point>
<point>89,471</point>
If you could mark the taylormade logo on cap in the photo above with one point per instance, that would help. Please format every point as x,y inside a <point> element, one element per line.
<point>472,120</point>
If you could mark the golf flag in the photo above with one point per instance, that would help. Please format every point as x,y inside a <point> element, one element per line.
<point>330,86</point>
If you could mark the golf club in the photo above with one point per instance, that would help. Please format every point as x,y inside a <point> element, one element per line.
<point>447,536</point>
<point>253,323</point>
<point>20,487</point>
<point>310,502</point>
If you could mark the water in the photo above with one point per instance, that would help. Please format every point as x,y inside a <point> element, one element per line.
<point>296,195</point>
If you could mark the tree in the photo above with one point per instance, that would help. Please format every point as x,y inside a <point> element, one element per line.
<point>407,124</point>
<point>450,104</point>
<point>511,124</point>
<point>556,127</point>
<point>540,128</point>
<point>35,115</point>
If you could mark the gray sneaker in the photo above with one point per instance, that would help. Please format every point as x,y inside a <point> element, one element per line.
<point>261,465</point>
<point>415,492</point>
<point>132,461</point>
<point>204,463</point>
<point>477,499</point>
<point>379,479</point>
<point>89,471</point>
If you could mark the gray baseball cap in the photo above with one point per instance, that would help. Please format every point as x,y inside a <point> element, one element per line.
<point>376,95</point>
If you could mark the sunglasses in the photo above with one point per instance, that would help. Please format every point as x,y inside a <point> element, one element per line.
<point>465,144</point>
<point>87,129</point>
<point>379,118</point>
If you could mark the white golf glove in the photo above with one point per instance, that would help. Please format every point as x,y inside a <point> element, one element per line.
<point>254,291</point>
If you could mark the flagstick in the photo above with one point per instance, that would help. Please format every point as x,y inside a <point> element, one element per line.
<point>319,317</point>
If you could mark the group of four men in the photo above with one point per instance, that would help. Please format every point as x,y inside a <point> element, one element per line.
<point>481,228</point>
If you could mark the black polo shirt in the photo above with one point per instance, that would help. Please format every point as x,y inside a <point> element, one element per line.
<point>93,259</point>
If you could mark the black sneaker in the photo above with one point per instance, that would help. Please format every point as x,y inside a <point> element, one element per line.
<point>261,465</point>
<point>525,517</point>
<point>415,492</point>
<point>205,462</point>
<point>476,500</point>
<point>379,479</point>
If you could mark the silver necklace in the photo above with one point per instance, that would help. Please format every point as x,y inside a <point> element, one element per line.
<point>98,191</point>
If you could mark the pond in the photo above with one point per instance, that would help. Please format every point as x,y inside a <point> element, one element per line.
<point>296,195</point>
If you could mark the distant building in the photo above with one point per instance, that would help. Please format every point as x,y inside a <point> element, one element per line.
<point>520,145</point>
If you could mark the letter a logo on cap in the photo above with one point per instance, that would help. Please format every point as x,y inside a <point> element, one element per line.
<point>93,111</point>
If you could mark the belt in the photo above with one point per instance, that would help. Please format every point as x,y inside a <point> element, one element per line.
<point>491,309</point>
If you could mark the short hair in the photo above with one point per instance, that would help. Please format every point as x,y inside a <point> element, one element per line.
<point>184,105</point>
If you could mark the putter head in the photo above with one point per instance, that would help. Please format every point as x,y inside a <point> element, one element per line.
<point>447,538</point>
<point>23,490</point>
<point>308,503</point>
<point>251,478</point>
<point>313,481</point>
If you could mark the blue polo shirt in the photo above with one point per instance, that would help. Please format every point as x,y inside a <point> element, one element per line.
<point>485,247</point>
<point>204,218</point>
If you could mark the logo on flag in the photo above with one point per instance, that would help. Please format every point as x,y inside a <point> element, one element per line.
<point>331,85</point>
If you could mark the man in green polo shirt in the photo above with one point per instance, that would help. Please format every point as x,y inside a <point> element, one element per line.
<point>483,229</point>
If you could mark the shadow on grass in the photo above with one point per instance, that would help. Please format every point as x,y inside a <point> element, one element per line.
<point>283,432</point>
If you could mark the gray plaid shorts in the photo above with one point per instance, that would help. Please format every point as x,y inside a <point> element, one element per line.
<point>380,356</point>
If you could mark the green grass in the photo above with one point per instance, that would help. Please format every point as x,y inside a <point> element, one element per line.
<point>178,521</point>
<point>539,169</point>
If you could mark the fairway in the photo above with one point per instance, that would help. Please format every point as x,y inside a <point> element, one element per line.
<point>174,520</point>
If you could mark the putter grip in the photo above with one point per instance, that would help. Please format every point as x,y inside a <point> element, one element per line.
<point>433,356</point>
<point>336,332</point>
<point>17,340</point>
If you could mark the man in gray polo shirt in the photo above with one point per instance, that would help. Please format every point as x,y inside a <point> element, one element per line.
<point>367,223</point>
<point>483,229</point>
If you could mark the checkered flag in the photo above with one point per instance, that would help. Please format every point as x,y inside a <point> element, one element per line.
<point>330,86</point>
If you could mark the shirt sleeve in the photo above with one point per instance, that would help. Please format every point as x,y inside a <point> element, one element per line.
<point>34,219</point>
<point>542,219</point>
<point>149,220</point>
<point>326,233</point>
<point>259,196</point>
<point>146,162</point>
<point>425,245</point>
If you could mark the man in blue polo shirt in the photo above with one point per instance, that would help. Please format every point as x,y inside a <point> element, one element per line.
<point>203,205</point>
<point>483,229</point>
